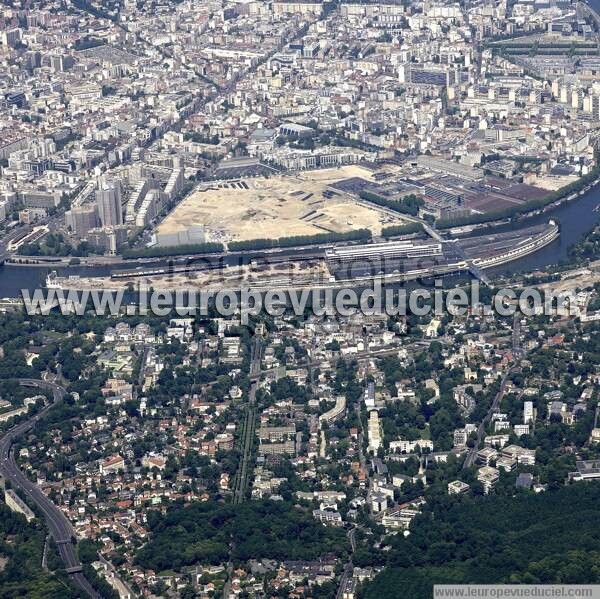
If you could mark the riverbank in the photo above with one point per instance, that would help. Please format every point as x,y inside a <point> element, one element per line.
<point>361,267</point>
<point>486,226</point>
<point>577,217</point>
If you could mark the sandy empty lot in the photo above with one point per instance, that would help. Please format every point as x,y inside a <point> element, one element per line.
<point>282,206</point>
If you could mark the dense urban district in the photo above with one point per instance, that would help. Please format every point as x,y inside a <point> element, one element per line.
<point>354,456</point>
<point>138,129</point>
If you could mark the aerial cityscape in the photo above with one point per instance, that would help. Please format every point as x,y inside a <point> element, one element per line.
<point>299,299</point>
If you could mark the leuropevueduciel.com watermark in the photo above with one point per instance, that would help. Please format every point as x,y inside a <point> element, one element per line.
<point>516,591</point>
<point>436,301</point>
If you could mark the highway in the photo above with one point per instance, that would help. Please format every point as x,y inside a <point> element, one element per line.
<point>59,526</point>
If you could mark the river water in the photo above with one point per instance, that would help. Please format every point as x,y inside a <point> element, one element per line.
<point>576,218</point>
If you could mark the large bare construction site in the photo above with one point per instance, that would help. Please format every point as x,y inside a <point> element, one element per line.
<point>279,206</point>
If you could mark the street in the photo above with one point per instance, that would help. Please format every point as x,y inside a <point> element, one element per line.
<point>59,526</point>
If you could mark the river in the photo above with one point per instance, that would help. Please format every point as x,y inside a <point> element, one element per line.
<point>576,219</point>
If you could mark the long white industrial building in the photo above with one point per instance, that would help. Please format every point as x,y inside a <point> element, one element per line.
<point>393,249</point>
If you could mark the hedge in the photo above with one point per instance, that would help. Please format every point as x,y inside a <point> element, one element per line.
<point>283,242</point>
<point>396,230</point>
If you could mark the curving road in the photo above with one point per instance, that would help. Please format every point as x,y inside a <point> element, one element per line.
<point>59,526</point>
<point>518,353</point>
<point>472,454</point>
